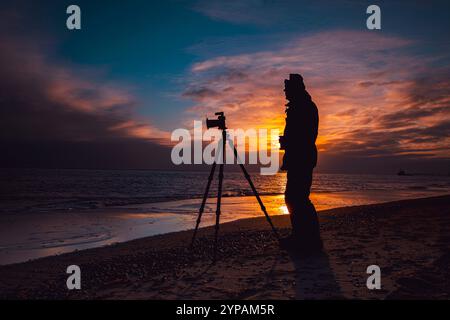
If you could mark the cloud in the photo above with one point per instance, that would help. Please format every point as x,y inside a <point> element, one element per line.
<point>375,98</point>
<point>263,13</point>
<point>257,12</point>
<point>200,93</point>
<point>45,100</point>
<point>57,114</point>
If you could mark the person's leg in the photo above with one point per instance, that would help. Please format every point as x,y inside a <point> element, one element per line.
<point>305,225</point>
<point>297,196</point>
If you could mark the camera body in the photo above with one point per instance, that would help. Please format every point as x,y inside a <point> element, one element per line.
<point>216,123</point>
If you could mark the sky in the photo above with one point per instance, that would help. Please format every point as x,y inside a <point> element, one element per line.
<point>109,95</point>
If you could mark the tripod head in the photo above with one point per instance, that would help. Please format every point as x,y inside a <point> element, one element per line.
<point>216,123</point>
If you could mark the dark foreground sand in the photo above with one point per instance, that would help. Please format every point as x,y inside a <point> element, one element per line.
<point>409,240</point>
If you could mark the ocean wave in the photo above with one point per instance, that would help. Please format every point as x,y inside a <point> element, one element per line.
<point>58,190</point>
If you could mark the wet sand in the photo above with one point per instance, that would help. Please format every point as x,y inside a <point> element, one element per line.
<point>25,236</point>
<point>409,240</point>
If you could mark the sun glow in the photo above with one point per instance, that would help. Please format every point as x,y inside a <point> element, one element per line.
<point>284,210</point>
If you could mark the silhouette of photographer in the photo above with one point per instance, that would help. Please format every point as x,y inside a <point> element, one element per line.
<point>300,158</point>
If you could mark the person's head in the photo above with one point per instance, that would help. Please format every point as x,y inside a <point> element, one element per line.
<point>293,87</point>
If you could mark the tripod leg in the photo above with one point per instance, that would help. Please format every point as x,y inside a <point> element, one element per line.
<point>205,195</point>
<point>219,194</point>
<point>219,198</point>
<point>202,207</point>
<point>255,192</point>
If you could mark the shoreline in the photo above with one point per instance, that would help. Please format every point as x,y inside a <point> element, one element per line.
<point>413,260</point>
<point>34,235</point>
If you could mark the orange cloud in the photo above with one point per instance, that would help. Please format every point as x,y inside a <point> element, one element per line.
<point>374,97</point>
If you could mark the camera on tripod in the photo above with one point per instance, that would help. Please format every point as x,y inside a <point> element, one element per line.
<point>216,123</point>
<point>220,123</point>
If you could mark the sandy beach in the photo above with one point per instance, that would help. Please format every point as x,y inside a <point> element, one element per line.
<point>31,235</point>
<point>409,240</point>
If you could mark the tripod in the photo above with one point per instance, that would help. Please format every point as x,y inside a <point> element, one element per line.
<point>221,149</point>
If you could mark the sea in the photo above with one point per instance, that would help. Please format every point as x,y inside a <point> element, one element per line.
<point>51,212</point>
<point>46,190</point>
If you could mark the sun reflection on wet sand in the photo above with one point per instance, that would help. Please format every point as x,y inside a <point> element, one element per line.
<point>284,209</point>
<point>65,232</point>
